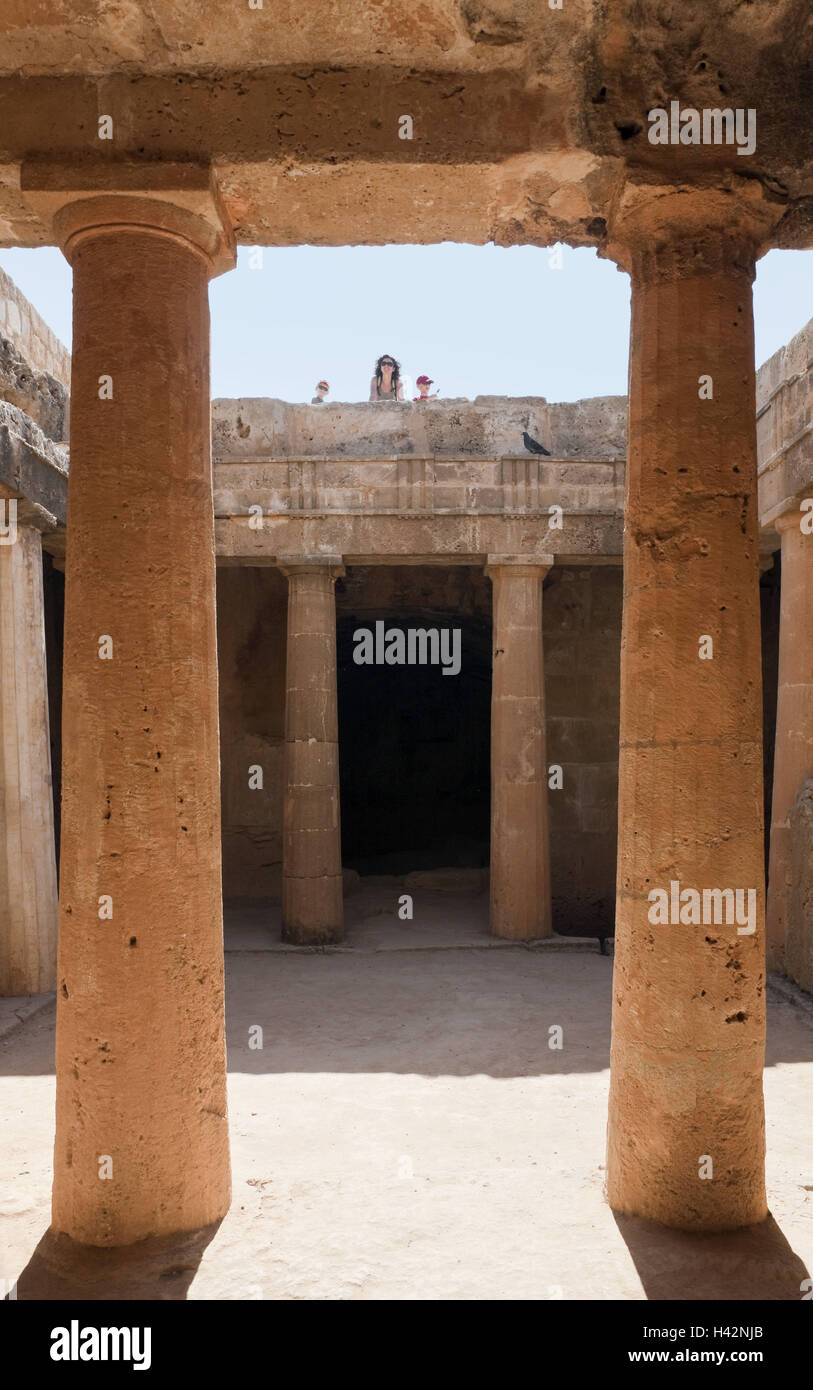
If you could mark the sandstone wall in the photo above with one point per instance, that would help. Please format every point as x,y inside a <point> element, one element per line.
<point>21,325</point>
<point>785,426</point>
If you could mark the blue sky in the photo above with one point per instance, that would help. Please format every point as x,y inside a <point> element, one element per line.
<point>479,319</point>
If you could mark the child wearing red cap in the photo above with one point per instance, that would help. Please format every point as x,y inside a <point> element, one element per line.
<point>423,383</point>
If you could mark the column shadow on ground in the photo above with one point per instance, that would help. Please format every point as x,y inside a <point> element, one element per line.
<point>756,1263</point>
<point>158,1268</point>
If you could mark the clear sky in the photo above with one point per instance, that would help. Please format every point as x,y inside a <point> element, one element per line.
<point>481,320</point>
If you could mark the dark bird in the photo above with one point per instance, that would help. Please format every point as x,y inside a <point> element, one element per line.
<point>533,446</point>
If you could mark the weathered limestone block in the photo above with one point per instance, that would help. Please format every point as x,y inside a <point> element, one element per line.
<point>28,891</point>
<point>785,425</point>
<point>39,394</point>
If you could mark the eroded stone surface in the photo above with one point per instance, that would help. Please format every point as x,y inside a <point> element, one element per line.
<point>528,122</point>
<point>688,1006</point>
<point>43,399</point>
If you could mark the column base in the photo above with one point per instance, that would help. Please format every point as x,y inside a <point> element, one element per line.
<point>313,911</point>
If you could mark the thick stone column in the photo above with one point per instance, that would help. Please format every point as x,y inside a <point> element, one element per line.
<point>793,752</point>
<point>520,858</point>
<point>28,895</point>
<point>141,1134</point>
<point>312,907</point>
<point>686,1133</point>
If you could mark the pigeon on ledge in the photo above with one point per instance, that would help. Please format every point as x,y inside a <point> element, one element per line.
<point>533,446</point>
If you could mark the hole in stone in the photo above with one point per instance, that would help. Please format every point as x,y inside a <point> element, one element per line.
<point>133,940</point>
<point>628,129</point>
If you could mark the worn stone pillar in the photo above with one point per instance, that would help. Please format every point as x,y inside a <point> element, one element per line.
<point>312,907</point>
<point>141,1134</point>
<point>686,1133</point>
<point>28,896</point>
<point>520,858</point>
<point>793,752</point>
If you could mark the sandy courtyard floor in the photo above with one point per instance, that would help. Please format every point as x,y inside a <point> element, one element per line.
<point>406,1132</point>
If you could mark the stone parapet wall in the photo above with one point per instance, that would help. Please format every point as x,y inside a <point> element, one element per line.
<point>21,325</point>
<point>489,427</point>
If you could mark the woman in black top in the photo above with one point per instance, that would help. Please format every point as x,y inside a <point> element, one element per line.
<point>386,385</point>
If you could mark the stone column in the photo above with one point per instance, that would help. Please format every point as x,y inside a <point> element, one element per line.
<point>793,752</point>
<point>28,896</point>
<point>686,1133</point>
<point>520,858</point>
<point>141,1134</point>
<point>312,907</point>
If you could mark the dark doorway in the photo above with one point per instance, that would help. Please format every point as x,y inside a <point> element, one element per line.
<point>414,743</point>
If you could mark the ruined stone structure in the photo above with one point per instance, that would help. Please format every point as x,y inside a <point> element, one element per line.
<point>526,124</point>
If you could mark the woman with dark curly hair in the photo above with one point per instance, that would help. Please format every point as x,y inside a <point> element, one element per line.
<point>386,385</point>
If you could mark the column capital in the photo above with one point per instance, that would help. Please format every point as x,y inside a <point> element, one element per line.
<point>519,566</point>
<point>330,566</point>
<point>791,517</point>
<point>666,232</point>
<point>179,200</point>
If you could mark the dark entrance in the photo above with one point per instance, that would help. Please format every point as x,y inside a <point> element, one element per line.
<point>414,743</point>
